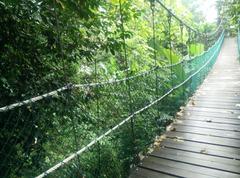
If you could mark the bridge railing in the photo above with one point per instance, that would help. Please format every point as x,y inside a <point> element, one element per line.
<point>238,41</point>
<point>102,128</point>
<point>145,125</point>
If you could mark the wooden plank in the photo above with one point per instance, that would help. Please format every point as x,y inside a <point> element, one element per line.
<point>204,139</point>
<point>170,169</point>
<point>233,82</point>
<point>197,160</point>
<point>211,119</point>
<point>206,131</point>
<point>217,126</point>
<point>222,98</point>
<point>213,94</point>
<point>146,173</point>
<point>200,101</point>
<point>220,105</point>
<point>220,86</point>
<point>219,83</point>
<point>219,92</point>
<point>184,169</point>
<point>224,81</point>
<point>203,148</point>
<point>216,101</point>
<point>215,110</point>
<point>198,156</point>
<point>214,106</point>
<point>216,92</point>
<point>190,113</point>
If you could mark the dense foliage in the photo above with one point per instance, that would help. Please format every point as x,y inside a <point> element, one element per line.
<point>48,44</point>
<point>229,10</point>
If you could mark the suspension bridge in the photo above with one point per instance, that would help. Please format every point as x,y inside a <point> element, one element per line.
<point>87,139</point>
<point>204,140</point>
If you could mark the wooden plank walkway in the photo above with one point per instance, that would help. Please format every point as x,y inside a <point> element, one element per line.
<point>205,140</point>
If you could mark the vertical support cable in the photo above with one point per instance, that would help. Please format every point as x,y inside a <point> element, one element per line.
<point>189,62</point>
<point>195,43</point>
<point>205,41</point>
<point>203,54</point>
<point>60,50</point>
<point>170,45</point>
<point>189,43</point>
<point>238,38</point>
<point>59,42</point>
<point>155,55</point>
<point>127,75</point>
<point>154,44</point>
<point>98,116</point>
<point>182,64</point>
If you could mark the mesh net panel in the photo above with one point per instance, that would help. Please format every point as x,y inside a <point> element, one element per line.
<point>44,133</point>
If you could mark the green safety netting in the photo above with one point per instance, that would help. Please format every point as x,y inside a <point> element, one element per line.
<point>101,129</point>
<point>109,153</point>
<point>118,148</point>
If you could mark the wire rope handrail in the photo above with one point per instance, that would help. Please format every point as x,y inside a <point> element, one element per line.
<point>73,86</point>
